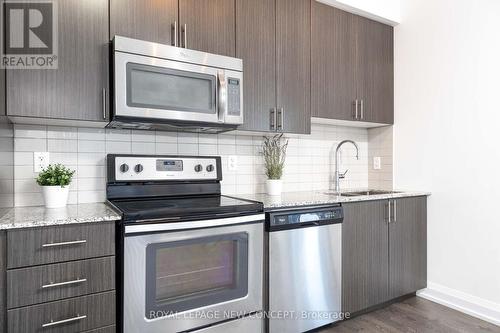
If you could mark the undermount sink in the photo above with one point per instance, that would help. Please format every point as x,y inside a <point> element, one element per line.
<point>361,193</point>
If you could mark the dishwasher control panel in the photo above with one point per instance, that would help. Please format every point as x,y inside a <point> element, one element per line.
<point>307,217</point>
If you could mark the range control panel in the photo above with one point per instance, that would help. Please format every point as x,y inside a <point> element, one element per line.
<point>158,168</point>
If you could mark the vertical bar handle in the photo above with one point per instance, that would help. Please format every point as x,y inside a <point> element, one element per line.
<point>362,109</point>
<point>395,211</point>
<point>356,109</point>
<point>174,39</point>
<point>272,120</point>
<point>103,103</point>
<point>389,211</point>
<point>184,32</point>
<point>281,114</point>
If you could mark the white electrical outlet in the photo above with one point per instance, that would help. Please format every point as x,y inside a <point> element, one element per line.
<point>232,163</point>
<point>377,164</point>
<point>41,160</point>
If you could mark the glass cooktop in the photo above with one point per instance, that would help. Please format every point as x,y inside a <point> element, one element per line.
<point>176,208</point>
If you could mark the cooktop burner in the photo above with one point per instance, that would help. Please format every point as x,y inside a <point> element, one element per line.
<point>181,207</point>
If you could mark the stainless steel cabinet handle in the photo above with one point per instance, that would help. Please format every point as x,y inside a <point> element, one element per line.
<point>76,242</point>
<point>52,285</point>
<point>356,109</point>
<point>64,321</point>
<point>184,33</point>
<point>272,120</point>
<point>363,109</point>
<point>389,211</point>
<point>281,115</point>
<point>395,211</point>
<point>104,103</point>
<point>174,39</point>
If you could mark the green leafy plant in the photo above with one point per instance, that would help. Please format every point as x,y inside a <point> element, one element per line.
<point>55,175</point>
<point>274,152</point>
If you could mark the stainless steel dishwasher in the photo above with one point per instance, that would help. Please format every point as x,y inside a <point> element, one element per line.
<point>304,268</point>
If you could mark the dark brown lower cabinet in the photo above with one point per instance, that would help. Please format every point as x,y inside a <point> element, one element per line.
<point>408,246</point>
<point>384,251</point>
<point>3,281</point>
<point>365,265</point>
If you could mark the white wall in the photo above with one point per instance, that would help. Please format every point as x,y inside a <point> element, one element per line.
<point>447,137</point>
<point>386,11</point>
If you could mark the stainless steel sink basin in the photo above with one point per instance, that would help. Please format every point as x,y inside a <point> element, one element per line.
<point>361,193</point>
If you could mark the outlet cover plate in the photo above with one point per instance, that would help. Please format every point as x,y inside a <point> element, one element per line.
<point>377,163</point>
<point>232,163</point>
<point>41,160</point>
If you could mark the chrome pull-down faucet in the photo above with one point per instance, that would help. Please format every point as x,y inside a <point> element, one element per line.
<point>338,174</point>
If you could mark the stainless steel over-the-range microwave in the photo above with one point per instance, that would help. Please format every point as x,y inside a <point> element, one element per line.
<point>158,86</point>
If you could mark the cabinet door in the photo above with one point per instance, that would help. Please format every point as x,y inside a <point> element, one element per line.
<point>151,20</point>
<point>256,45</point>
<point>75,89</point>
<point>209,25</point>
<point>333,63</point>
<point>408,246</point>
<point>375,70</point>
<point>364,255</point>
<point>293,56</point>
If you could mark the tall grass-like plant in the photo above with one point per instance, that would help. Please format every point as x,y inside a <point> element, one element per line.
<point>274,153</point>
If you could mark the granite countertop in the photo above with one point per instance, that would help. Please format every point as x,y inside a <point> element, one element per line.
<point>310,198</point>
<point>28,217</point>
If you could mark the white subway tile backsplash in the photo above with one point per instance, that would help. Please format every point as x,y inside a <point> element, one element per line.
<point>309,164</point>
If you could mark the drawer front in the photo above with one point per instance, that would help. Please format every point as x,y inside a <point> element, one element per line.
<point>29,247</point>
<point>40,284</point>
<point>73,315</point>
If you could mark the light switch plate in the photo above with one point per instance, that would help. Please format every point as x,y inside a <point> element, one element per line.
<point>41,160</point>
<point>377,164</point>
<point>232,163</point>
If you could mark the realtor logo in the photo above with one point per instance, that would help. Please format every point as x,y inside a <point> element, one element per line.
<point>30,35</point>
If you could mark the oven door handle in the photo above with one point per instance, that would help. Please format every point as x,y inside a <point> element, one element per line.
<point>156,227</point>
<point>222,95</point>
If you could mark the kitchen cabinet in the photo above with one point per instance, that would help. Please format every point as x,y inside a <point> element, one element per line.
<point>150,20</point>
<point>384,252</point>
<point>365,264</point>
<point>62,277</point>
<point>208,25</point>
<point>352,67</point>
<point>273,39</point>
<point>408,246</point>
<point>256,46</point>
<point>78,88</point>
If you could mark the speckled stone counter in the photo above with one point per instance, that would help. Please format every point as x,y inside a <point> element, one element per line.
<point>297,199</point>
<point>28,217</point>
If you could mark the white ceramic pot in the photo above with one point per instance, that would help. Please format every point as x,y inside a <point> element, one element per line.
<point>55,196</point>
<point>274,186</point>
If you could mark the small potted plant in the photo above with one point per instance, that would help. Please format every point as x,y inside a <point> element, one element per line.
<point>274,152</point>
<point>55,180</point>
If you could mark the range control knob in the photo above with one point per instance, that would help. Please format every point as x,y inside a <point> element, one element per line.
<point>198,168</point>
<point>138,168</point>
<point>124,167</point>
<point>210,168</point>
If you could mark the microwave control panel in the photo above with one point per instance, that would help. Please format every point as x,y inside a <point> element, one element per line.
<point>233,96</point>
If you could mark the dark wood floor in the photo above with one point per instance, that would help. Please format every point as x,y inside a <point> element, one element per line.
<point>415,315</point>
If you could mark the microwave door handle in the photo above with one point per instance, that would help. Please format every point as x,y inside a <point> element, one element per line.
<point>222,95</point>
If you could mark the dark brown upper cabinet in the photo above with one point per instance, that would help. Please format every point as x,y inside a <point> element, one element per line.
<point>78,88</point>
<point>256,46</point>
<point>273,39</point>
<point>352,67</point>
<point>293,62</point>
<point>151,20</point>
<point>208,26</point>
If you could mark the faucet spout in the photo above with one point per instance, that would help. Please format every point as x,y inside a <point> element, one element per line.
<point>338,176</point>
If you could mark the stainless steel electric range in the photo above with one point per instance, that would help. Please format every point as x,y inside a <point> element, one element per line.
<point>190,259</point>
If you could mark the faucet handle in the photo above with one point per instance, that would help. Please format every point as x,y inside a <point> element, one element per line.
<point>342,175</point>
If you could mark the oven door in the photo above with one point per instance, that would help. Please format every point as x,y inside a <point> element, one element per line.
<point>186,279</point>
<point>152,88</point>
